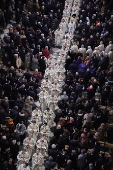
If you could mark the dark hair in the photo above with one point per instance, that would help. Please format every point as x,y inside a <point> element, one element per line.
<point>26,164</point>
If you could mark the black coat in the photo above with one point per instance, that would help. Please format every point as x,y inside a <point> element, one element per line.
<point>49,164</point>
<point>5,106</point>
<point>13,113</point>
<point>61,159</point>
<point>73,144</point>
<point>53,152</point>
<point>4,144</point>
<point>2,117</point>
<point>14,148</point>
<point>57,132</point>
<point>42,65</point>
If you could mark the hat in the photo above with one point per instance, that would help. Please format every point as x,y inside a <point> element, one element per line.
<point>10,121</point>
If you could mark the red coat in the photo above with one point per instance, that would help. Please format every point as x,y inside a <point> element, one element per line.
<point>38,74</point>
<point>46,53</point>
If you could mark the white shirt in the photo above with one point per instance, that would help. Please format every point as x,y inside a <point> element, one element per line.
<point>29,141</point>
<point>23,156</point>
<point>38,159</point>
<point>36,112</point>
<point>82,50</point>
<point>21,167</point>
<point>33,127</point>
<point>42,143</point>
<point>43,95</point>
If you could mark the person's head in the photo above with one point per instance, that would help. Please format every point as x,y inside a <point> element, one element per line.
<point>69,161</point>
<point>16,107</point>
<point>23,151</point>
<point>37,151</point>
<point>7,129</point>
<point>45,124</point>
<point>53,146</point>
<point>101,155</point>
<point>73,152</point>
<point>25,165</point>
<point>12,67</point>
<point>4,137</point>
<point>64,92</point>
<point>34,121</point>
<point>29,138</point>
<point>42,139</point>
<point>37,108</point>
<point>91,166</point>
<point>43,90</point>
<point>48,109</point>
<point>82,151</point>
<point>92,151</point>
<point>110,42</point>
<point>85,130</point>
<point>6,98</point>
<point>50,158</point>
<point>14,141</point>
<point>58,126</point>
<point>7,149</point>
<point>46,47</point>
<point>10,161</point>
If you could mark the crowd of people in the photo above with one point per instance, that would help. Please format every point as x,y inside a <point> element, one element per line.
<point>65,128</point>
<point>31,38</point>
<point>85,105</point>
<point>24,53</point>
